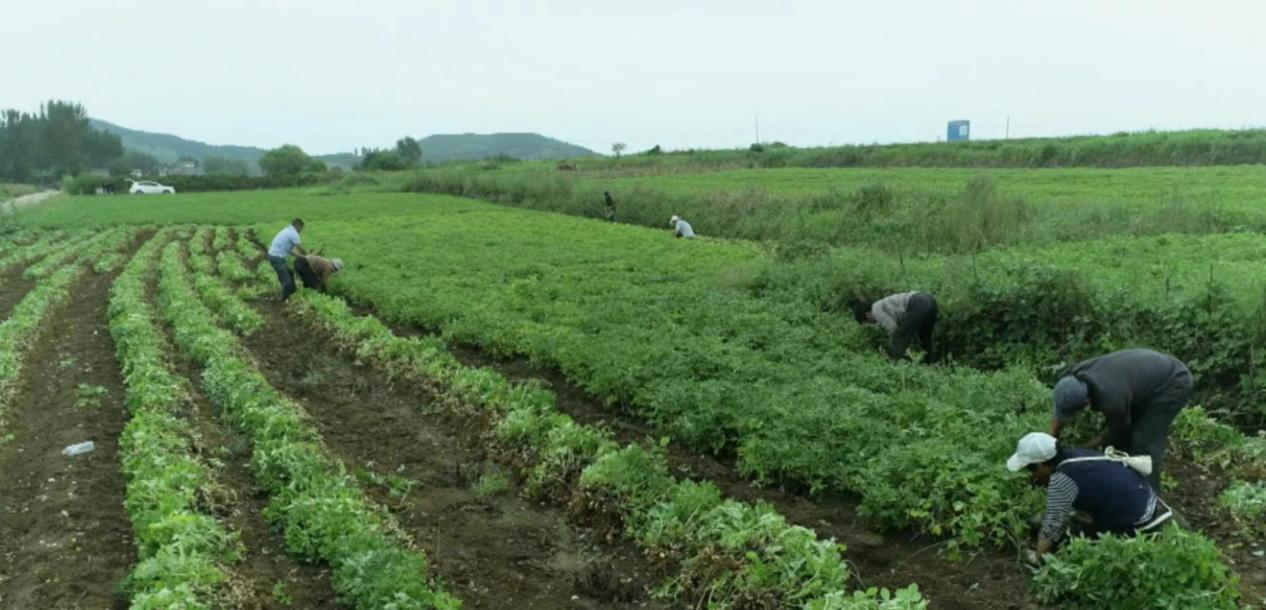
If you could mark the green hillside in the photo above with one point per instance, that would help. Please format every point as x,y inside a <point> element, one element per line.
<point>168,148</point>
<point>436,148</point>
<point>454,147</point>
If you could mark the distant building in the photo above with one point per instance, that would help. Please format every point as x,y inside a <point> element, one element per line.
<point>181,168</point>
<point>958,131</point>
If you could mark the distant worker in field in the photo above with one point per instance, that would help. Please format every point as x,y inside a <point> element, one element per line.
<point>606,196</point>
<point>315,270</point>
<point>681,228</point>
<point>1107,488</point>
<point>284,244</point>
<point>906,316</point>
<point>1139,392</point>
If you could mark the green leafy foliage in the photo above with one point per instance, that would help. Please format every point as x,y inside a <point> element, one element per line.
<point>184,552</point>
<point>321,511</point>
<point>218,297</point>
<point>733,555</point>
<point>1173,570</point>
<point>17,333</point>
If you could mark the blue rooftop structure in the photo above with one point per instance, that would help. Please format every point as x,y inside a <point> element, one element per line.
<point>958,131</point>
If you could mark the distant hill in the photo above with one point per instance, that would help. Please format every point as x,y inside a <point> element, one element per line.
<point>530,146</point>
<point>168,148</point>
<point>436,149</point>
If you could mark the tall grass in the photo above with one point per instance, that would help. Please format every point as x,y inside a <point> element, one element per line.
<point>974,218</point>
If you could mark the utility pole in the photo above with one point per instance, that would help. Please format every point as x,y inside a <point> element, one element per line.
<point>1008,136</point>
<point>757,129</point>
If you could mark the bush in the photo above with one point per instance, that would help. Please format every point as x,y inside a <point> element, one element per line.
<point>87,184</point>
<point>1174,570</point>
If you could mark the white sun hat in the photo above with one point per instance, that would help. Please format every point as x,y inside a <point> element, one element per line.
<point>673,221</point>
<point>337,264</point>
<point>1033,448</point>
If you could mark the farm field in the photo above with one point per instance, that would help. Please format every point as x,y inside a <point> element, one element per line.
<point>628,418</point>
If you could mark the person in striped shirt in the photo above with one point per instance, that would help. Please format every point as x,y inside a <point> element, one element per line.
<point>1117,498</point>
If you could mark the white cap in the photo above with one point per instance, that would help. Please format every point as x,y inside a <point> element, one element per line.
<point>673,220</point>
<point>337,264</point>
<point>1034,448</point>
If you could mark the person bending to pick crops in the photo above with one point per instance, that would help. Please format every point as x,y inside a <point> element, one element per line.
<point>681,228</point>
<point>606,197</point>
<point>906,316</point>
<point>316,270</point>
<point>285,243</point>
<point>1107,488</point>
<point>1139,392</point>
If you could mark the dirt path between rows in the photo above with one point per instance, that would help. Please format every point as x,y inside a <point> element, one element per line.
<point>67,540</point>
<point>13,287</point>
<point>267,578</point>
<point>490,547</point>
<point>988,581</point>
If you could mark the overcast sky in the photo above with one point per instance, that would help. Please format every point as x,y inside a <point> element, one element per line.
<point>331,75</point>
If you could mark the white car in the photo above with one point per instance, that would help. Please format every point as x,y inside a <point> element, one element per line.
<point>147,187</point>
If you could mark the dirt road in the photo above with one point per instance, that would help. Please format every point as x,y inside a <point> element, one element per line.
<point>27,200</point>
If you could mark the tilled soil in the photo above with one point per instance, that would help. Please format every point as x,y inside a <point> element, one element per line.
<point>490,547</point>
<point>266,578</point>
<point>13,287</point>
<point>66,539</point>
<point>986,581</point>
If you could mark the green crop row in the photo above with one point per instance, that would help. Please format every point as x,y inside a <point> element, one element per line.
<point>320,509</point>
<point>228,263</point>
<point>184,552</point>
<point>728,554</point>
<point>659,326</point>
<point>76,248</point>
<point>199,261</point>
<point>222,239</point>
<point>47,244</point>
<point>18,332</point>
<point>246,248</point>
<point>226,305</point>
<point>1173,569</point>
<point>112,254</point>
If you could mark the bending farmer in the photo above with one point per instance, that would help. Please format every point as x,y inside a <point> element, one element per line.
<point>906,316</point>
<point>681,228</point>
<point>1117,498</point>
<point>286,242</point>
<point>315,270</point>
<point>1139,392</point>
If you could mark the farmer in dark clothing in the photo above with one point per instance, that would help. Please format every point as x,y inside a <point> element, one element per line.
<point>315,271</point>
<point>285,243</point>
<point>1139,392</point>
<point>606,196</point>
<point>1117,498</point>
<point>906,316</point>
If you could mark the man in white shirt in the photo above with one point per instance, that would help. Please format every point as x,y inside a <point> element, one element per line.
<point>906,316</point>
<point>681,228</point>
<point>284,244</point>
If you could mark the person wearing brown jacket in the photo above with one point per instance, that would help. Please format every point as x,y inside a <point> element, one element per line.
<point>315,271</point>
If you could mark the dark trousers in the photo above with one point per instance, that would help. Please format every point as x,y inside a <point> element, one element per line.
<point>917,324</point>
<point>306,275</point>
<point>1150,434</point>
<point>283,274</point>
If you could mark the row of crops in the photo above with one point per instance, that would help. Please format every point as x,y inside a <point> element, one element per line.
<point>730,553</point>
<point>696,339</point>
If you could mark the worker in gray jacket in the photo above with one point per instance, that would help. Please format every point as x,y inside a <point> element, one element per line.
<point>906,316</point>
<point>1139,392</point>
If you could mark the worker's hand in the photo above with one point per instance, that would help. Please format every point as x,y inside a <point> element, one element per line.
<point>1032,558</point>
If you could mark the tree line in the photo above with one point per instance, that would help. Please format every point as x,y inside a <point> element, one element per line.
<point>55,141</point>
